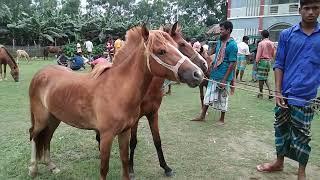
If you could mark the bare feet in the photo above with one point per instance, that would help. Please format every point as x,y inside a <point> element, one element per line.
<point>201,119</point>
<point>270,167</point>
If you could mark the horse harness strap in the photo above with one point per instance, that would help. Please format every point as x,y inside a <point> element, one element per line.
<point>174,69</point>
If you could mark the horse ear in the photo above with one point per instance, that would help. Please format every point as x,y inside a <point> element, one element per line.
<point>201,50</point>
<point>174,28</point>
<point>161,28</point>
<point>145,32</point>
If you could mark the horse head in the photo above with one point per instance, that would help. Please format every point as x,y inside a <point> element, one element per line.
<point>165,60</point>
<point>184,47</point>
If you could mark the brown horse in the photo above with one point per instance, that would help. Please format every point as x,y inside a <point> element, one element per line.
<point>152,100</point>
<point>54,99</point>
<point>7,59</point>
<point>22,54</point>
<point>50,49</point>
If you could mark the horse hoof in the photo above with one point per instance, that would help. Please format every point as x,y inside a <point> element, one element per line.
<point>131,176</point>
<point>55,170</point>
<point>169,173</point>
<point>32,172</point>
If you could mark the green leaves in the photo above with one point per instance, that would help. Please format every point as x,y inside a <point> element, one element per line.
<point>45,21</point>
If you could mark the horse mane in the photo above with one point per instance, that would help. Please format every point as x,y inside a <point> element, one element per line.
<point>133,40</point>
<point>99,69</point>
<point>158,35</point>
<point>10,56</point>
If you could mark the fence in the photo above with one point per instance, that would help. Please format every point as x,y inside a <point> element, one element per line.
<point>33,51</point>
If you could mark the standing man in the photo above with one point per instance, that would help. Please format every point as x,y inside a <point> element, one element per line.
<point>243,53</point>
<point>223,65</point>
<point>297,76</point>
<point>264,57</point>
<point>89,46</point>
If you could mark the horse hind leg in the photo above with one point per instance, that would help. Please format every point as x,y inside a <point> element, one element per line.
<point>43,126</point>
<point>1,72</point>
<point>52,126</point>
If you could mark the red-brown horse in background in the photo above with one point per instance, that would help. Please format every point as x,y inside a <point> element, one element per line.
<point>80,100</point>
<point>50,49</point>
<point>152,100</point>
<point>7,59</point>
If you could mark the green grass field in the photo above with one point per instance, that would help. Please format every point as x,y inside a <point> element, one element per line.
<point>194,150</point>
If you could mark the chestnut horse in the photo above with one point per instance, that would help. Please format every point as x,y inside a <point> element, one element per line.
<point>7,59</point>
<point>70,99</point>
<point>152,100</point>
<point>50,49</point>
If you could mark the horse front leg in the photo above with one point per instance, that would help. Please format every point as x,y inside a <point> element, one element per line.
<point>201,94</point>
<point>123,140</point>
<point>5,72</point>
<point>1,72</point>
<point>154,127</point>
<point>133,144</point>
<point>105,149</point>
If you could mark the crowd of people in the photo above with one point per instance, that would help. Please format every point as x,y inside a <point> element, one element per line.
<point>79,59</point>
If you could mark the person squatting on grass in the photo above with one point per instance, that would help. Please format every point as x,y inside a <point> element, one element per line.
<point>223,66</point>
<point>297,75</point>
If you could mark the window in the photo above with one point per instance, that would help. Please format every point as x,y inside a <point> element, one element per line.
<point>293,8</point>
<point>283,1</point>
<point>273,9</point>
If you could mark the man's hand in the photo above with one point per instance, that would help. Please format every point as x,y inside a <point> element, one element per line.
<point>280,101</point>
<point>222,84</point>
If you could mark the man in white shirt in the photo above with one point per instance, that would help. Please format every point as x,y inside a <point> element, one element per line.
<point>89,46</point>
<point>243,53</point>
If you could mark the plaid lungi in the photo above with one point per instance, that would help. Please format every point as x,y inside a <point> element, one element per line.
<point>241,62</point>
<point>216,97</point>
<point>263,68</point>
<point>292,132</point>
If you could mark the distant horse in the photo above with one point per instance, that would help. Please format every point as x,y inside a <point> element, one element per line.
<point>70,99</point>
<point>22,53</point>
<point>152,100</point>
<point>50,49</point>
<point>7,59</point>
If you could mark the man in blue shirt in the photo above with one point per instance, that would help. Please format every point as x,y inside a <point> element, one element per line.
<point>222,73</point>
<point>297,78</point>
<point>77,62</point>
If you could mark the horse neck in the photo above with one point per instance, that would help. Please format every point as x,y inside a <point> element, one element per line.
<point>10,60</point>
<point>11,64</point>
<point>133,73</point>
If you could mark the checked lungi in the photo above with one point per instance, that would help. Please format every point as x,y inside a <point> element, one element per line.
<point>216,96</point>
<point>241,62</point>
<point>292,132</point>
<point>263,68</point>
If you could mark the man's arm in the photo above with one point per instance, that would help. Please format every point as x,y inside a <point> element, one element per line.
<point>259,52</point>
<point>278,70</point>
<point>232,60</point>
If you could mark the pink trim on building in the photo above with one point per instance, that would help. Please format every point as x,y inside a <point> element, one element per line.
<point>261,15</point>
<point>228,8</point>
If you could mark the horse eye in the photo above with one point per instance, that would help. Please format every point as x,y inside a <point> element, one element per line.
<point>182,44</point>
<point>162,52</point>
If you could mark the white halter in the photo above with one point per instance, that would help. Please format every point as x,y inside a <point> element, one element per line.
<point>175,68</point>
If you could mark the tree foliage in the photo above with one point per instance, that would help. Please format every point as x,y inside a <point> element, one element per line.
<point>46,22</point>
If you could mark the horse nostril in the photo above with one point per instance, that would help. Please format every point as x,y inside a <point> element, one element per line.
<point>205,65</point>
<point>197,75</point>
